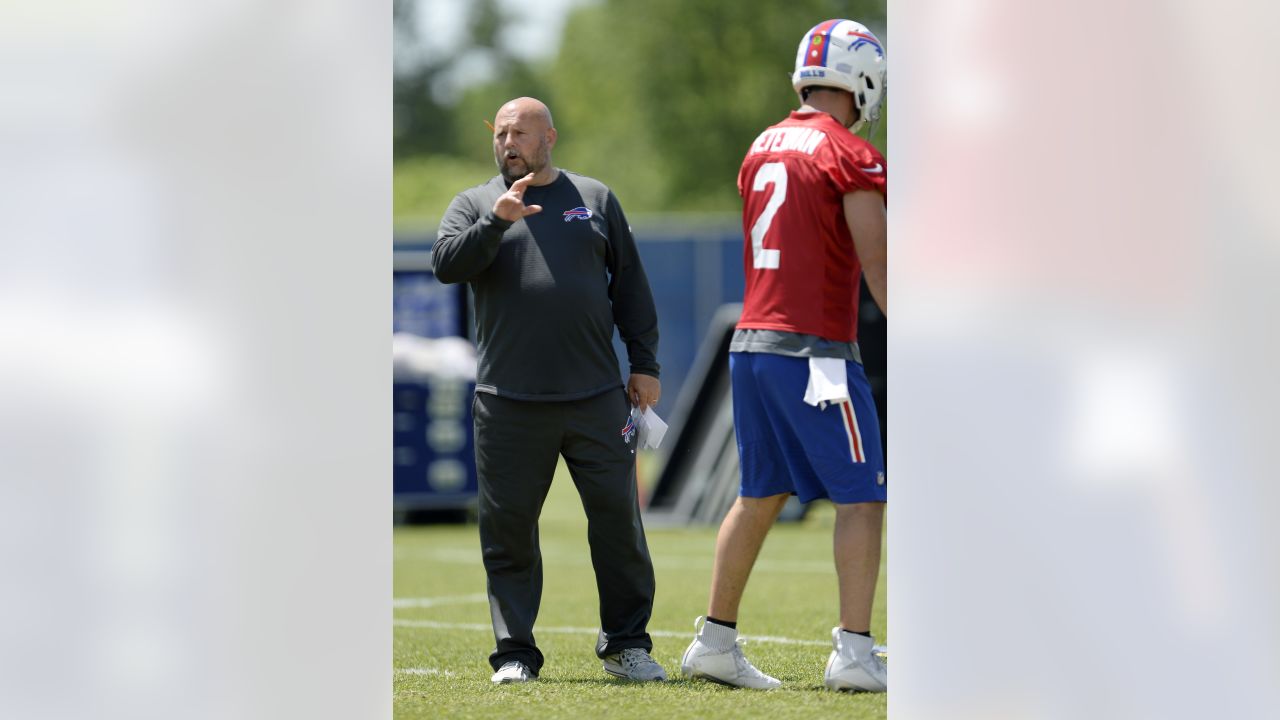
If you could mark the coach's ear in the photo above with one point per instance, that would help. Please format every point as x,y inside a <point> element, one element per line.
<point>551,138</point>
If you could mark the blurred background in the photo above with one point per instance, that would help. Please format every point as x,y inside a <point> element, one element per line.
<point>659,100</point>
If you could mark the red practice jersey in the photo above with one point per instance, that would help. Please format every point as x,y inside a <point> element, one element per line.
<point>802,271</point>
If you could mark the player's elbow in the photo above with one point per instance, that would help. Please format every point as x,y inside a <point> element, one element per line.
<point>875,267</point>
<point>875,262</point>
<point>446,277</point>
<point>876,277</point>
<point>443,270</point>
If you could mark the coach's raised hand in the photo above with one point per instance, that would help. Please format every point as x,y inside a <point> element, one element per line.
<point>510,204</point>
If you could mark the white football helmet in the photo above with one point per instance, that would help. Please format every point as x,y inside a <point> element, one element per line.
<point>846,55</point>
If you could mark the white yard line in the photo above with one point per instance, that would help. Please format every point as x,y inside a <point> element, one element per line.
<point>425,671</point>
<point>485,627</point>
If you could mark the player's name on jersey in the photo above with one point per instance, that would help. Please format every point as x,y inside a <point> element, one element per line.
<point>800,139</point>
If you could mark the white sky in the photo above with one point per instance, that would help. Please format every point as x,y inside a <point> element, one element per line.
<point>535,33</point>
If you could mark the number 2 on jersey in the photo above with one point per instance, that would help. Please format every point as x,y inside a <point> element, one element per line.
<point>775,172</point>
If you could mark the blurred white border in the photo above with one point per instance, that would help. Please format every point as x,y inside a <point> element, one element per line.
<point>194,360</point>
<point>1083,260</point>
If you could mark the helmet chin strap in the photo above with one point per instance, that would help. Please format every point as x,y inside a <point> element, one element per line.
<point>874,121</point>
<point>871,127</point>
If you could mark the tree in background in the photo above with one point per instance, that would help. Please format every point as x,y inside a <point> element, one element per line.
<point>664,97</point>
<point>421,122</point>
<point>441,142</point>
<point>659,98</point>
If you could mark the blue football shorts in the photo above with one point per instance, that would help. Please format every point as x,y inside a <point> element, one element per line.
<point>786,445</point>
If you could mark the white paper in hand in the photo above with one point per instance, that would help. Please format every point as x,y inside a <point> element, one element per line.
<point>651,429</point>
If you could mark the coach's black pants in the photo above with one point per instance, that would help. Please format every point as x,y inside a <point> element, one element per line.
<point>517,447</point>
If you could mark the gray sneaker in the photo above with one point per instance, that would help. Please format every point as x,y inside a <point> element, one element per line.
<point>634,664</point>
<point>513,672</point>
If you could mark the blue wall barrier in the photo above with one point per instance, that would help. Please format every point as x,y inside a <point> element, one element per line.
<point>434,461</point>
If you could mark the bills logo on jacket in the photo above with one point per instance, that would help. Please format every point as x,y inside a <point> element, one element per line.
<point>578,213</point>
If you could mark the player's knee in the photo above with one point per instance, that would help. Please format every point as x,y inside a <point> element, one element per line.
<point>770,505</point>
<point>861,511</point>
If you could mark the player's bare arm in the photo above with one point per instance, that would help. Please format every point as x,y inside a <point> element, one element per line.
<point>864,212</point>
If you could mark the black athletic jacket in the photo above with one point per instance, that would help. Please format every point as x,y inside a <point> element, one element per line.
<point>550,288</point>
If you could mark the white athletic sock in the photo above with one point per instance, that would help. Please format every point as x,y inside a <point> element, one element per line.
<point>718,637</point>
<point>859,645</point>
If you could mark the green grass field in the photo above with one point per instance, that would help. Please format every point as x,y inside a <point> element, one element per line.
<point>443,638</point>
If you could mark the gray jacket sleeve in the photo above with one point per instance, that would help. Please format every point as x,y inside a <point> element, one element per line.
<point>633,310</point>
<point>467,241</point>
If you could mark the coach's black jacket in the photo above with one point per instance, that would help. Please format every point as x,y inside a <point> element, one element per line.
<point>549,289</point>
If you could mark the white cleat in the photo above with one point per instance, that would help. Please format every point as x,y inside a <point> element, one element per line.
<point>854,664</point>
<point>716,655</point>
<point>513,672</point>
<point>634,664</point>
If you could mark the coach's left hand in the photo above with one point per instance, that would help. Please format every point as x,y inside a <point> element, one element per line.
<point>643,390</point>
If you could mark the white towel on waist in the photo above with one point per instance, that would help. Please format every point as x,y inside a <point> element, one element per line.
<point>827,382</point>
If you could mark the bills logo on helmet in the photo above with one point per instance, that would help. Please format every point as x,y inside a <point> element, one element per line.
<point>578,213</point>
<point>865,39</point>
